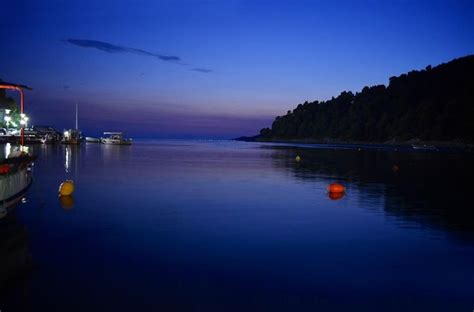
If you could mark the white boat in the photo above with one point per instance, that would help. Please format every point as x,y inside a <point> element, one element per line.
<point>115,138</point>
<point>424,147</point>
<point>15,163</point>
<point>92,140</point>
<point>15,177</point>
<point>72,136</point>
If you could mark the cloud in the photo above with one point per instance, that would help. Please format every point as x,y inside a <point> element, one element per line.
<point>202,70</point>
<point>112,48</point>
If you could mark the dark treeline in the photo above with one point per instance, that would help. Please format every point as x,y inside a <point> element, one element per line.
<point>435,104</point>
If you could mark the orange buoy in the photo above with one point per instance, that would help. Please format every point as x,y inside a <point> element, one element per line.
<point>335,196</point>
<point>336,188</point>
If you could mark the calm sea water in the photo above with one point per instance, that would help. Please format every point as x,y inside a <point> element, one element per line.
<point>230,226</point>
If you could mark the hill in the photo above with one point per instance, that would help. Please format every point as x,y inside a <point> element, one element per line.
<point>434,104</point>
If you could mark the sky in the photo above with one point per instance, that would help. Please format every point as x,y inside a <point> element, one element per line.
<point>213,69</point>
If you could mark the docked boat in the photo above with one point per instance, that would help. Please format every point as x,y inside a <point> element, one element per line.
<point>92,140</point>
<point>115,138</point>
<point>424,147</point>
<point>15,163</point>
<point>72,136</point>
<point>15,176</point>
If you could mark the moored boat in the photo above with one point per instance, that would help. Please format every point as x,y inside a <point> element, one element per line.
<point>72,136</point>
<point>15,177</point>
<point>92,140</point>
<point>115,138</point>
<point>424,147</point>
<point>15,164</point>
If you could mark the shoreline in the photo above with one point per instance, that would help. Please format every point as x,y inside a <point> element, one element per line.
<point>405,145</point>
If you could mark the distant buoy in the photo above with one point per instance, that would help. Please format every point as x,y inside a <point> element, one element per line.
<point>336,188</point>
<point>66,201</point>
<point>335,196</point>
<point>66,188</point>
<point>298,158</point>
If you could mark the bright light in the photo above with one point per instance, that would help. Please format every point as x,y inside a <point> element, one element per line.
<point>7,111</point>
<point>7,118</point>
<point>24,119</point>
<point>66,133</point>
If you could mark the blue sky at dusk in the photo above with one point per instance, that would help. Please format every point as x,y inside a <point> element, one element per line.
<point>214,69</point>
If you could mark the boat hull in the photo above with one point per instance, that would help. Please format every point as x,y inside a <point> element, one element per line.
<point>13,186</point>
<point>116,142</point>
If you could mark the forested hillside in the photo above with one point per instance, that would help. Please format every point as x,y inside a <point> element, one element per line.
<point>434,104</point>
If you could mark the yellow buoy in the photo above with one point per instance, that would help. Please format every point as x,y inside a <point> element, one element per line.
<point>297,158</point>
<point>66,188</point>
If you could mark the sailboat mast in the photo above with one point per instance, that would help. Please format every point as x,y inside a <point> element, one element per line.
<point>77,121</point>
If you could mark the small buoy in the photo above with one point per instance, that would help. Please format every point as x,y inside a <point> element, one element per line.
<point>336,188</point>
<point>298,158</point>
<point>66,201</point>
<point>335,196</point>
<point>66,188</point>
<point>395,168</point>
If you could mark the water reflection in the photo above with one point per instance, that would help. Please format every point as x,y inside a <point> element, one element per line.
<point>431,189</point>
<point>67,158</point>
<point>66,202</point>
<point>71,158</point>
<point>208,224</point>
<point>16,263</point>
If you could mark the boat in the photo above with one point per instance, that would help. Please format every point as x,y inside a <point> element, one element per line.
<point>115,138</point>
<point>424,147</point>
<point>15,176</point>
<point>47,135</point>
<point>92,140</point>
<point>72,136</point>
<point>47,139</point>
<point>16,162</point>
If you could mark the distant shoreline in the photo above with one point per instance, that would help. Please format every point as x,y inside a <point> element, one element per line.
<point>440,145</point>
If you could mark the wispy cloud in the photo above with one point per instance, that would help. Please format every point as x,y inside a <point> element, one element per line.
<point>202,70</point>
<point>112,48</point>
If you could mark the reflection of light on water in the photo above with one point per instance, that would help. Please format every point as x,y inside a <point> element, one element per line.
<point>67,202</point>
<point>67,161</point>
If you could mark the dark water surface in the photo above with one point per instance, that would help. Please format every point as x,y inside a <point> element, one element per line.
<point>232,226</point>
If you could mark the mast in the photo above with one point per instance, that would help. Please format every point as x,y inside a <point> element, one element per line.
<point>77,121</point>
